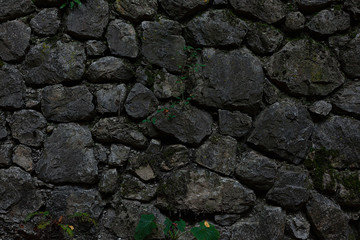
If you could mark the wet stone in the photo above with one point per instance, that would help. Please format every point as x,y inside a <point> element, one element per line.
<point>5,153</point>
<point>320,108</point>
<point>119,155</point>
<point>179,9</point>
<point>108,181</point>
<point>22,157</point>
<point>133,189</point>
<point>137,10</point>
<point>110,98</point>
<point>95,48</point>
<point>46,22</point>
<point>264,39</point>
<point>15,8</point>
<point>140,102</point>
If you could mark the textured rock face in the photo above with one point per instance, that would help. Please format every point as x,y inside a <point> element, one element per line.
<point>235,124</point>
<point>350,59</point>
<point>132,188</point>
<point>264,39</point>
<point>12,88</point>
<point>179,9</point>
<point>46,22</point>
<point>68,156</point>
<point>354,7</point>
<point>3,131</point>
<point>140,102</point>
<point>295,21</point>
<point>110,98</point>
<point>5,154</point>
<point>305,68</point>
<point>320,23</point>
<point>348,99</point>
<point>14,9</point>
<point>137,10</point>
<point>312,5</point>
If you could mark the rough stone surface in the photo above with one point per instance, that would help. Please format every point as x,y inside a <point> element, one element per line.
<point>353,6</point>
<point>46,22</point>
<point>306,68</point>
<point>22,157</point>
<point>235,124</point>
<point>66,104</point>
<point>133,189</point>
<point>267,11</point>
<point>294,21</point>
<point>284,128</point>
<point>319,24</point>
<point>95,48</point>
<point>137,10</point>
<point>68,156</point>
<point>52,63</point>
<point>12,87</point>
<point>3,131</point>
<point>122,39</point>
<point>350,58</point>
<point>110,98</point>
<point>167,85</point>
<point>109,69</point>
<point>264,39</point>
<point>312,5</point>
<point>320,108</point>
<point>175,156</point>
<point>14,40</point>
<point>32,98</point>
<point>28,126</point>
<point>15,8</point>
<point>348,99</point>
<point>297,226</point>
<point>89,20</point>
<point>5,154</point>
<point>108,181</point>
<point>119,155</point>
<point>216,28</point>
<point>140,102</point>
<point>179,9</point>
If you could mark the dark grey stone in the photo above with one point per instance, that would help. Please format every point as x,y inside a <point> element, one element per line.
<point>119,155</point>
<point>353,6</point>
<point>14,40</point>
<point>284,128</point>
<point>167,85</point>
<point>122,40</point>
<point>95,48</point>
<point>110,69</point>
<point>140,102</point>
<point>28,126</point>
<point>304,67</point>
<point>52,63</point>
<point>312,5</point>
<point>179,9</point>
<point>15,8</point>
<point>46,22</point>
<point>235,124</point>
<point>294,21</point>
<point>216,28</point>
<point>89,20</point>
<point>108,181</point>
<point>68,156</point>
<point>267,11</point>
<point>137,10</point>
<point>174,156</point>
<point>133,189</point>
<point>6,153</point>
<point>297,226</point>
<point>3,130</point>
<point>12,87</point>
<point>256,171</point>
<point>350,58</point>
<point>219,2</point>
<point>110,98</point>
<point>271,92</point>
<point>347,99</point>
<point>264,39</point>
<point>162,44</point>
<point>32,98</point>
<point>101,153</point>
<point>66,104</point>
<point>22,157</point>
<point>320,108</point>
<point>328,22</point>
<point>226,219</point>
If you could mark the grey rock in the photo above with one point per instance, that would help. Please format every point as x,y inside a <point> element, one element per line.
<point>15,9</point>
<point>271,92</point>
<point>119,129</point>
<point>119,155</point>
<point>133,189</point>
<point>174,156</point>
<point>230,80</point>
<point>101,153</point>
<point>256,170</point>
<point>291,188</point>
<point>12,87</point>
<point>89,20</point>
<point>329,221</point>
<point>14,40</point>
<point>19,195</point>
<point>203,191</point>
<point>22,157</point>
<point>109,69</point>
<point>108,181</point>
<point>347,99</point>
<point>216,28</point>
<point>5,153</point>
<point>52,63</point>
<point>312,5</point>
<point>144,76</point>
<point>145,172</point>
<point>110,98</point>
<point>346,193</point>
<point>263,39</point>
<point>294,21</point>
<point>339,41</point>
<point>28,126</point>
<point>297,226</point>
<point>235,124</point>
<point>162,43</point>
<point>190,125</point>
<point>320,108</point>
<point>284,128</point>
<point>319,24</point>
<point>353,7</point>
<point>167,85</point>
<point>179,9</point>
<point>46,22</point>
<point>219,2</point>
<point>350,58</point>
<point>226,219</point>
<point>66,104</point>
<point>122,40</point>
<point>218,153</point>
<point>95,48</point>
<point>267,11</point>
<point>137,10</point>
<point>3,130</point>
<point>32,98</point>
<point>68,156</point>
<point>339,133</point>
<point>304,67</point>
<point>140,102</point>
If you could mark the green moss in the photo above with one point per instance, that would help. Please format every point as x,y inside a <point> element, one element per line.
<point>338,7</point>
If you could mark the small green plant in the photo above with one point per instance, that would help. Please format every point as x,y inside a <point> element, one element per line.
<point>173,230</point>
<point>71,4</point>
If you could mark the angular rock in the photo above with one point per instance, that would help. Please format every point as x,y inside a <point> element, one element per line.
<point>3,131</point>
<point>66,104</point>
<point>52,63</point>
<point>329,221</point>
<point>284,128</point>
<point>137,10</point>
<point>167,85</point>
<point>230,80</point>
<point>133,189</point>
<point>271,92</point>
<point>291,188</point>
<point>68,156</point>
<point>101,153</point>
<point>120,130</point>
<point>14,9</point>
<point>328,22</point>
<point>348,99</point>
<point>320,108</point>
<point>108,181</point>
<point>263,39</point>
<point>294,21</point>
<point>218,153</point>
<point>203,191</point>
<point>297,226</point>
<point>179,9</point>
<point>353,6</point>
<point>122,40</point>
<point>339,134</point>
<point>28,126</point>
<point>267,11</point>
<point>312,5</point>
<point>256,171</point>
<point>162,43</point>
<point>146,173</point>
<point>46,22</point>
<point>350,58</point>
<point>119,155</point>
<point>174,156</point>
<point>14,40</point>
<point>110,98</point>
<point>5,153</point>
<point>12,87</point>
<point>306,68</point>
<point>95,48</point>
<point>216,28</point>
<point>89,20</point>
<point>32,98</point>
<point>190,125</point>
<point>109,69</point>
<point>226,219</point>
<point>23,158</point>
<point>140,102</point>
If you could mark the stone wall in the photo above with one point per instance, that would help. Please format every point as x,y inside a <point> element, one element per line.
<point>260,135</point>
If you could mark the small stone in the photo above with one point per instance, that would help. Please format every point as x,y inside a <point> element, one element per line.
<point>146,173</point>
<point>119,155</point>
<point>227,219</point>
<point>140,102</point>
<point>32,98</point>
<point>137,10</point>
<point>22,157</point>
<point>95,48</point>
<point>264,39</point>
<point>297,226</point>
<point>46,22</point>
<point>320,108</point>
<point>133,189</point>
<point>167,85</point>
<point>108,181</point>
<point>179,9</point>
<point>110,98</point>
<point>235,124</point>
<point>295,21</point>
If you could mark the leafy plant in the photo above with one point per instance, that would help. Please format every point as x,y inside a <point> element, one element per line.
<point>173,230</point>
<point>71,4</point>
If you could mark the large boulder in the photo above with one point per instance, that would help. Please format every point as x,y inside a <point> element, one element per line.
<point>350,58</point>
<point>347,99</point>
<point>12,87</point>
<point>179,9</point>
<point>328,22</point>
<point>68,156</point>
<point>137,10</point>
<point>140,102</point>
<point>304,67</point>
<point>14,9</point>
